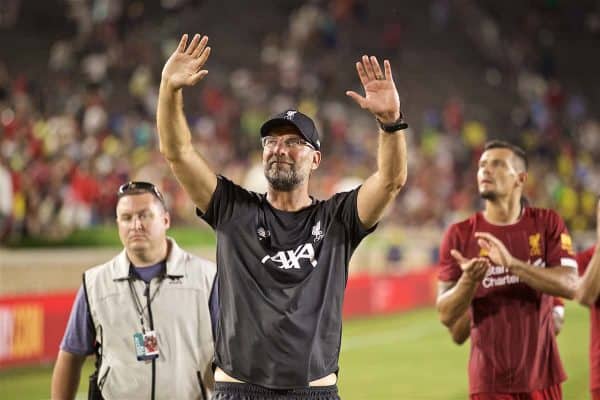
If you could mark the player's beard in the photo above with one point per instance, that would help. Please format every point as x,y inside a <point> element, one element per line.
<point>281,178</point>
<point>489,195</point>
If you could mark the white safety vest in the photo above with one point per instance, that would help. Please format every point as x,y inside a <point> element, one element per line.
<point>181,319</point>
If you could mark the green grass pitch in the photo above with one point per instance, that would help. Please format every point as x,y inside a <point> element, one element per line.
<point>407,356</point>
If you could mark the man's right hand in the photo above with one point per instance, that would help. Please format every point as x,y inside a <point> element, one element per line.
<point>184,67</point>
<point>474,269</point>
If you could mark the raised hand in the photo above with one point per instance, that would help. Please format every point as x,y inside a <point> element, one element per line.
<point>184,67</point>
<point>381,96</point>
<point>474,268</point>
<point>497,252</point>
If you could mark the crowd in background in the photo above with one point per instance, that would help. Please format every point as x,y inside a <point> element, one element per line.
<point>84,122</point>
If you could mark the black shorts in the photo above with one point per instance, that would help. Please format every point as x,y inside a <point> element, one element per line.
<point>246,391</point>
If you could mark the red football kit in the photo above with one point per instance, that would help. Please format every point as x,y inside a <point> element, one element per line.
<point>583,259</point>
<point>513,347</point>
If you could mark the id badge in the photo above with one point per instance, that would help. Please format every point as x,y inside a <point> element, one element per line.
<point>146,345</point>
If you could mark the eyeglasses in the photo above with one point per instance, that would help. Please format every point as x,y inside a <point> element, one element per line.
<point>136,187</point>
<point>269,142</point>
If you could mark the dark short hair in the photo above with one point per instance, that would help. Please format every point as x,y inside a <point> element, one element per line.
<point>139,187</point>
<point>516,150</point>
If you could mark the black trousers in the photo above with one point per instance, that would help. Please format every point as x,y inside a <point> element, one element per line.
<point>246,391</point>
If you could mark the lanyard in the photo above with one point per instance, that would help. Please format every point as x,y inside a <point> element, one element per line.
<point>138,304</point>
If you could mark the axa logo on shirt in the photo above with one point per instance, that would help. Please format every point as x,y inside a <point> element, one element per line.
<point>288,259</point>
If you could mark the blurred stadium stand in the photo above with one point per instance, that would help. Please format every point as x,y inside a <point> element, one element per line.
<point>78,86</point>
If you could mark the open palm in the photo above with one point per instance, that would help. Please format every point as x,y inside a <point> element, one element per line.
<point>381,96</point>
<point>184,67</point>
<point>474,268</point>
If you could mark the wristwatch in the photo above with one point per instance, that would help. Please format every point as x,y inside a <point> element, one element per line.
<point>396,126</point>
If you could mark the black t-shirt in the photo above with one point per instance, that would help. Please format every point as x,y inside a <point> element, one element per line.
<point>281,280</point>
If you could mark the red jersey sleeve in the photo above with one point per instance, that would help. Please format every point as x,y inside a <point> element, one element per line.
<point>449,270</point>
<point>584,258</point>
<point>559,243</point>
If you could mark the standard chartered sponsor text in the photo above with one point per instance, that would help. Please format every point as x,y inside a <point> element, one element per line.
<point>493,280</point>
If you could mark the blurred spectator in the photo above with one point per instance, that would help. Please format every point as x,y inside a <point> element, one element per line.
<point>71,133</point>
<point>9,12</point>
<point>6,200</point>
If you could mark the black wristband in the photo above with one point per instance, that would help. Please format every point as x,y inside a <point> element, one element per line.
<point>396,126</point>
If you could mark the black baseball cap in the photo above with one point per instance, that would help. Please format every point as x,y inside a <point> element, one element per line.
<point>301,121</point>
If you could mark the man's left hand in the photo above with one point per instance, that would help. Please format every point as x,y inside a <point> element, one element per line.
<point>381,96</point>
